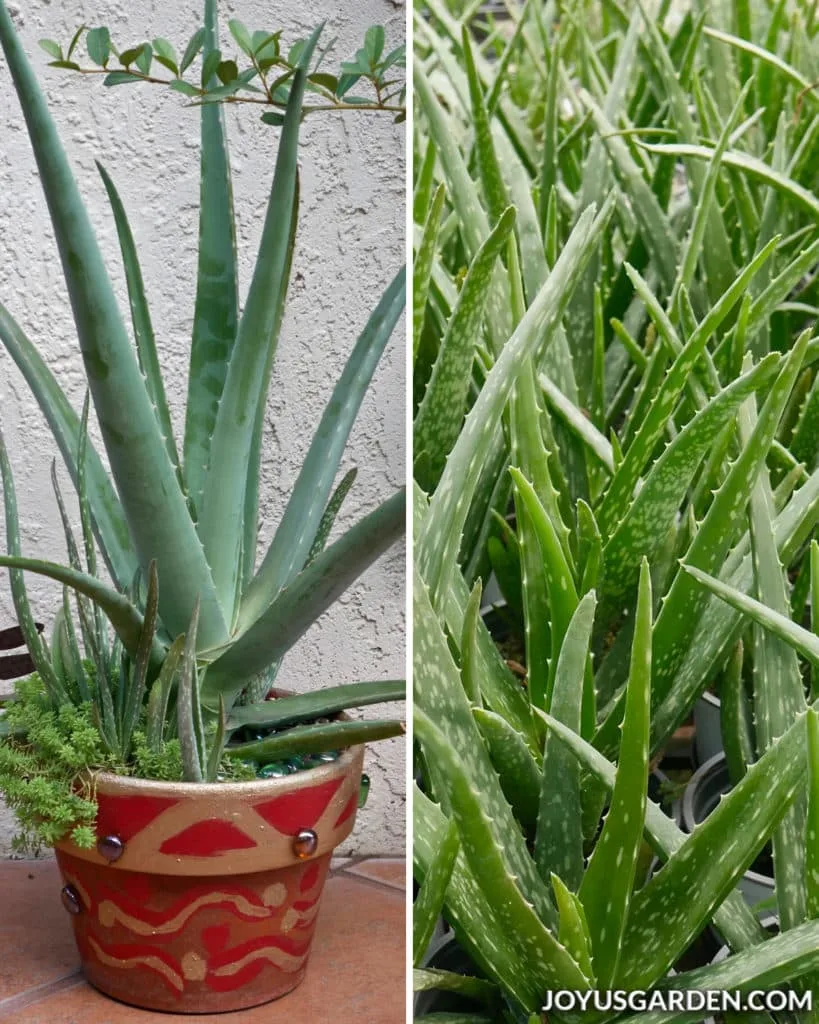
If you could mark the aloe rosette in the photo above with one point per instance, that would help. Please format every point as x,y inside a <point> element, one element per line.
<point>176,524</point>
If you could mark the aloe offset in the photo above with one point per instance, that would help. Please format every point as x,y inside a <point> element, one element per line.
<point>198,633</point>
<point>655,433</point>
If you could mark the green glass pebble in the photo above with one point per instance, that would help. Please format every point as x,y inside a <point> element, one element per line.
<point>329,755</point>
<point>313,761</point>
<point>293,764</point>
<point>276,770</point>
<point>364,790</point>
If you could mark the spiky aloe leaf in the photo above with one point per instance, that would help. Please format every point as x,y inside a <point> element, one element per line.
<point>721,626</point>
<point>186,710</point>
<point>330,512</point>
<point>549,961</point>
<point>574,930</point>
<point>443,406</point>
<point>782,626</point>
<point>141,320</point>
<point>607,883</point>
<point>805,443</point>
<point>432,979</point>
<point>716,854</point>
<point>218,745</point>
<point>812,824</point>
<point>683,604</point>
<point>574,419</point>
<point>216,311</point>
<point>157,515</point>
<point>427,906</point>
<point>438,542</point>
<point>644,528</point>
<point>139,676</point>
<point>735,717</point>
<point>109,519</point>
<point>422,265</point>
<point>303,707</point>
<point>314,739</point>
<point>519,773</point>
<point>493,187</point>
<point>560,584</point>
<point>766,56</point>
<point>559,838</point>
<point>470,655</point>
<point>302,518</point>
<point>306,598</point>
<point>160,695</point>
<point>221,516</point>
<point>768,966</point>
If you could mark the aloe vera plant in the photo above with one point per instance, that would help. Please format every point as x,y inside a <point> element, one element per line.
<point>178,636</point>
<point>637,420</point>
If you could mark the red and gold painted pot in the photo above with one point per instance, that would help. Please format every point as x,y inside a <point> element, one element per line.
<point>203,898</point>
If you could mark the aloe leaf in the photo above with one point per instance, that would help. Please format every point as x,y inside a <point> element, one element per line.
<point>185,706</point>
<point>814,609</point>
<point>560,584</point>
<point>302,518</point>
<point>218,746</point>
<point>717,854</point>
<point>606,888</point>
<point>470,654</point>
<point>431,979</point>
<point>721,626</point>
<point>315,739</point>
<point>469,910</point>
<point>141,321</point>
<point>88,537</point>
<point>559,838</point>
<point>584,429</point>
<point>221,516</point>
<point>216,311</point>
<point>769,966</point>
<point>444,403</point>
<point>160,695</point>
<point>109,518</point>
<point>811,878</point>
<point>422,265</point>
<point>142,660</point>
<point>157,515</point>
<point>805,442</point>
<point>645,525</point>
<point>424,185</point>
<point>427,906</point>
<point>764,304</point>
<point>684,603</point>
<point>330,512</point>
<point>574,930</point>
<point>782,626</point>
<point>550,962</point>
<point>749,165</point>
<point>519,774</point>
<point>288,710</point>
<point>493,188</point>
<point>306,598</point>
<point>438,542</point>
<point>766,56</point>
<point>735,717</point>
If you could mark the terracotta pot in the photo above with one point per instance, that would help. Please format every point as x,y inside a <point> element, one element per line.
<point>203,898</point>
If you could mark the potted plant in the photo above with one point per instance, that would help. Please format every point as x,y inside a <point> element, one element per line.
<point>193,807</point>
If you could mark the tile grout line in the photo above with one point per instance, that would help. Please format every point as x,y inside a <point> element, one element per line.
<point>40,993</point>
<point>375,882</point>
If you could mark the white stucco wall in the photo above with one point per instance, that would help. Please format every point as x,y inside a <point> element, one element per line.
<point>351,242</point>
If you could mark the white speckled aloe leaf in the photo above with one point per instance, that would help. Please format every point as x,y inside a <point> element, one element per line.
<point>812,825</point>
<point>468,910</point>
<point>518,772</point>
<point>734,917</point>
<point>720,627</point>
<point>493,188</point>
<point>550,965</point>
<point>770,965</point>
<point>616,501</point>
<point>607,883</point>
<point>675,904</point>
<point>438,541</point>
<point>805,443</point>
<point>781,286</point>
<point>574,930</point>
<point>736,723</point>
<point>438,694</point>
<point>645,526</point>
<point>559,837</point>
<point>782,626</point>
<point>779,695</point>
<point>427,906</point>
<point>443,406</point>
<point>422,266</point>
<point>499,688</point>
<point>530,455</point>
<point>684,603</point>
<point>555,571</point>
<point>584,429</point>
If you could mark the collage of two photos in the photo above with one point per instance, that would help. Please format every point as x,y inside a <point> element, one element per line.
<point>409,441</point>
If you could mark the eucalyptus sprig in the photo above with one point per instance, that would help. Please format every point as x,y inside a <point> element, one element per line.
<point>260,73</point>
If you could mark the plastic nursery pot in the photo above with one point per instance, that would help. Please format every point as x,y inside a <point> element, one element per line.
<point>711,781</point>
<point>202,898</point>
<point>445,954</point>
<point>707,728</point>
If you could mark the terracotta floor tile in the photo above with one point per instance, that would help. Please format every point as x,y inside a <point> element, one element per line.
<point>36,944</point>
<point>355,976</point>
<point>390,872</point>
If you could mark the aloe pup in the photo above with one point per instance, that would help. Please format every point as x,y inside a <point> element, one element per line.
<point>179,650</point>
